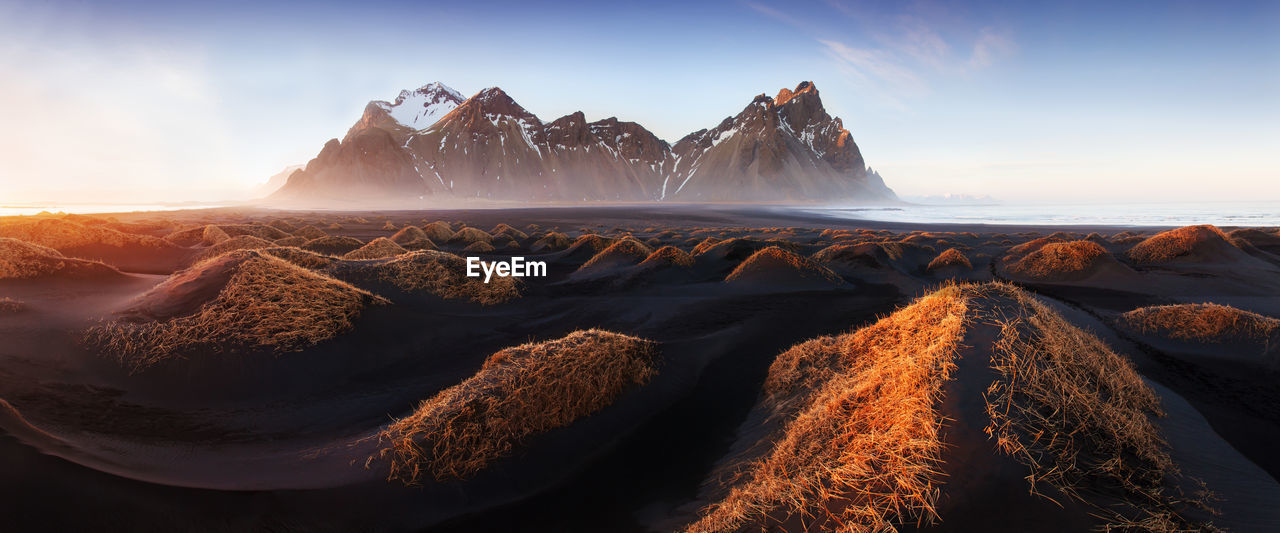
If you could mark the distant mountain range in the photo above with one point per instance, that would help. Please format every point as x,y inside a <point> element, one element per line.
<point>433,145</point>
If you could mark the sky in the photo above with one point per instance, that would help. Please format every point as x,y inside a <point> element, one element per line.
<point>1089,101</point>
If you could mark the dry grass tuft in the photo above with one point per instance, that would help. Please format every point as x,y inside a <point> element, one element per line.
<point>951,257</point>
<point>553,241</point>
<point>24,260</point>
<point>1079,416</point>
<point>240,299</point>
<point>438,231</point>
<point>520,392</point>
<point>310,233</point>
<point>300,257</point>
<point>470,235</point>
<point>442,274</point>
<point>1205,322</point>
<point>773,264</point>
<point>668,255</point>
<point>861,449</point>
<point>502,229</point>
<point>294,241</point>
<point>1181,243</point>
<point>1059,259</point>
<point>479,248</point>
<point>63,235</point>
<point>378,248</point>
<point>337,245</point>
<point>409,234</point>
<point>242,242</point>
<point>627,251</point>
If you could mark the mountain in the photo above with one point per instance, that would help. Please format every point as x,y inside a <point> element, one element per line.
<point>431,145</point>
<point>275,181</point>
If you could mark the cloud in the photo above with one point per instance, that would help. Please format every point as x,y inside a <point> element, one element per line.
<point>991,46</point>
<point>874,67</point>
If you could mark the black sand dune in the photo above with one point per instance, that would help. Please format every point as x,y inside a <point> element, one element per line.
<point>289,372</point>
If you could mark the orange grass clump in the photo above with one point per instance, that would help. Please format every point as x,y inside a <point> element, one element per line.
<point>552,241</point>
<point>861,449</point>
<point>770,262</point>
<point>241,242</point>
<point>310,233</point>
<point>300,257</point>
<point>378,248</point>
<point>503,229</point>
<point>1079,416</point>
<point>24,260</point>
<point>265,302</point>
<point>62,234</point>
<point>623,252</point>
<point>951,257</point>
<point>337,245</point>
<point>442,274</point>
<point>438,231</point>
<point>1056,259</point>
<point>668,255</point>
<point>470,235</point>
<point>519,392</point>
<point>1205,322</point>
<point>1177,243</point>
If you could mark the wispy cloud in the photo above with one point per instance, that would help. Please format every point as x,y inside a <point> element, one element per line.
<point>899,55</point>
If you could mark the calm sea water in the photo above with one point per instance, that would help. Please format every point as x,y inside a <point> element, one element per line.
<point>31,209</point>
<point>1182,214</point>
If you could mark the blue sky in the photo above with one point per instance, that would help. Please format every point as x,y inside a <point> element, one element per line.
<point>1145,101</point>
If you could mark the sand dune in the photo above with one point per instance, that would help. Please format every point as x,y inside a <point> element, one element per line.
<point>242,298</point>
<point>23,260</point>
<point>778,268</point>
<point>337,245</point>
<point>378,248</point>
<point>520,391</point>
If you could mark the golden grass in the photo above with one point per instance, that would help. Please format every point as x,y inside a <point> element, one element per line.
<point>668,255</point>
<point>241,242</point>
<point>705,245</point>
<point>1058,259</point>
<point>336,245</point>
<point>552,241</point>
<point>389,226</point>
<point>10,306</point>
<point>772,262</point>
<point>294,241</point>
<point>310,233</point>
<point>624,251</point>
<point>303,258</point>
<point>283,226</point>
<point>861,451</point>
<point>950,257</point>
<point>62,235</point>
<point>479,248</point>
<point>378,248</point>
<point>409,234</point>
<point>438,231</point>
<point>24,260</point>
<point>470,236</point>
<point>593,242</point>
<point>1080,417</point>
<point>442,274</point>
<point>265,303</point>
<point>256,230</point>
<point>519,392</point>
<point>1205,322</point>
<point>504,229</point>
<point>1177,243</point>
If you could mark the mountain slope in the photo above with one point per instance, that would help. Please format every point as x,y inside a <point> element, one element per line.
<point>431,145</point>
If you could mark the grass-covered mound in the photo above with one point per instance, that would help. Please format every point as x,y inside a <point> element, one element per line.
<point>242,299</point>
<point>855,434</point>
<point>773,266</point>
<point>1204,243</point>
<point>310,233</point>
<point>667,256</point>
<point>859,449</point>
<point>469,235</point>
<point>519,392</point>
<point>505,230</point>
<point>950,258</point>
<point>207,235</point>
<point>378,248</point>
<point>434,272</point>
<point>63,235</point>
<point>553,241</point>
<point>336,245</point>
<point>1064,261</point>
<point>438,231</point>
<point>1202,323</point>
<point>239,242</point>
<point>624,252</point>
<point>23,260</point>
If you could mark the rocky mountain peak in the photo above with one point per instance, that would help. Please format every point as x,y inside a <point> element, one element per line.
<point>805,87</point>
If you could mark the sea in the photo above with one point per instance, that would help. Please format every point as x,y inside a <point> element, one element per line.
<point>1119,214</point>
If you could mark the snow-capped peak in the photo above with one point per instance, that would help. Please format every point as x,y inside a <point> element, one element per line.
<point>420,109</point>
